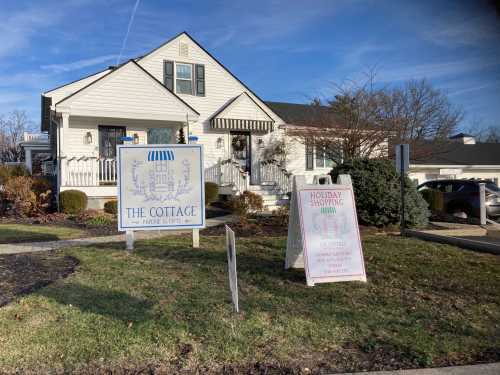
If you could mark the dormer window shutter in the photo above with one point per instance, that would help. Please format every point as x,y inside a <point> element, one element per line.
<point>168,74</point>
<point>200,79</point>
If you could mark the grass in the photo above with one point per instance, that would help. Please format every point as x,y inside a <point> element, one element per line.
<point>14,233</point>
<point>167,307</point>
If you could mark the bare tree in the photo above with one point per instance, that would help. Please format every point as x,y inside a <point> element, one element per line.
<point>492,135</point>
<point>12,128</point>
<point>362,119</point>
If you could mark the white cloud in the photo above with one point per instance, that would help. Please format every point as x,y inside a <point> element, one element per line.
<point>79,64</point>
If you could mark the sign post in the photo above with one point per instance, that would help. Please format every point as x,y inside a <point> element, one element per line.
<point>160,187</point>
<point>323,232</point>
<point>402,166</point>
<point>231,264</point>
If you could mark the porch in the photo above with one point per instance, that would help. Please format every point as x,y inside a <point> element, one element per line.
<point>94,171</point>
<point>97,178</point>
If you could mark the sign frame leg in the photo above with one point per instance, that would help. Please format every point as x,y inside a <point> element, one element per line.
<point>196,238</point>
<point>129,237</point>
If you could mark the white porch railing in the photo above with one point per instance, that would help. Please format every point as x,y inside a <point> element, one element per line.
<point>37,137</point>
<point>272,173</point>
<point>228,173</point>
<point>88,171</point>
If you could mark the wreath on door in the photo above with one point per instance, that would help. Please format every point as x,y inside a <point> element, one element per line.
<point>239,143</point>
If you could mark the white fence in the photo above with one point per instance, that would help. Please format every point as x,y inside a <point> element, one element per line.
<point>85,171</point>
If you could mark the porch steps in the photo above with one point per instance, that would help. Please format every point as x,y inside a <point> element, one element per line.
<point>271,198</point>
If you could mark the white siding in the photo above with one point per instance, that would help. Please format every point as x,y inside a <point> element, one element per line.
<point>63,92</point>
<point>220,87</point>
<point>127,93</point>
<point>422,173</point>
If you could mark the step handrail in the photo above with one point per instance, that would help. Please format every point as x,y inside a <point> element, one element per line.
<point>273,172</point>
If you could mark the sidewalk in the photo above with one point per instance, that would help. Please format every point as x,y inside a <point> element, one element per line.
<point>28,247</point>
<point>484,369</point>
<point>472,237</point>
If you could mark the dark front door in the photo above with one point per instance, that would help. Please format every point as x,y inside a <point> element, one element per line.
<point>109,137</point>
<point>241,150</point>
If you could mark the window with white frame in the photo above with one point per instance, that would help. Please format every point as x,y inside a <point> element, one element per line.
<point>184,78</point>
<point>322,161</point>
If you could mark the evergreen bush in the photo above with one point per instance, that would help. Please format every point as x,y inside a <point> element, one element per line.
<point>211,192</point>
<point>376,186</point>
<point>72,201</point>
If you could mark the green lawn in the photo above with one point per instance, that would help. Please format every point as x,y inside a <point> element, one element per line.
<point>11,233</point>
<point>167,307</point>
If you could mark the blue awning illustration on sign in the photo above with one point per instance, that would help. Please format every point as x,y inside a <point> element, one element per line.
<point>160,155</point>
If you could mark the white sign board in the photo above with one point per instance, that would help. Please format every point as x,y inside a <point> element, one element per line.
<point>160,187</point>
<point>402,158</point>
<point>323,233</point>
<point>231,264</point>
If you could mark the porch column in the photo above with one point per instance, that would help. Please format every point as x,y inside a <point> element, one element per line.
<point>27,159</point>
<point>63,130</point>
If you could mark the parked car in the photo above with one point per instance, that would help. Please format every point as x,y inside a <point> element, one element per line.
<point>456,196</point>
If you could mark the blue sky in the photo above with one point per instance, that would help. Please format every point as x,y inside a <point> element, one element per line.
<point>285,50</point>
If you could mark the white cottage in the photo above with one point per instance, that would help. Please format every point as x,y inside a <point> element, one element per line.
<point>147,100</point>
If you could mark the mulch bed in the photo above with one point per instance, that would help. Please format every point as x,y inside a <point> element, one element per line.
<point>266,226</point>
<point>24,273</point>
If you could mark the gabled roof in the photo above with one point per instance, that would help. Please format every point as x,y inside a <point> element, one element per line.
<point>116,71</point>
<point>210,55</point>
<point>461,135</point>
<point>231,104</point>
<point>242,113</point>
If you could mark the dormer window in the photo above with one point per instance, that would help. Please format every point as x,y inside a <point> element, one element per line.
<point>184,78</point>
<point>187,78</point>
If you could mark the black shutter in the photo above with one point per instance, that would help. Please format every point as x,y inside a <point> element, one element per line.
<point>168,75</point>
<point>309,156</point>
<point>200,79</point>
<point>46,103</point>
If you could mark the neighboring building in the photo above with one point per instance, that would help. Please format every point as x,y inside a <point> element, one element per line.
<point>461,158</point>
<point>37,153</point>
<point>147,100</point>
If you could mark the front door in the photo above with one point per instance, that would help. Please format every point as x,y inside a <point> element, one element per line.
<point>109,137</point>
<point>241,150</point>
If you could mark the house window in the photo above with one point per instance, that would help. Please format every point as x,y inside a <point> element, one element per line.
<point>184,78</point>
<point>157,136</point>
<point>321,159</point>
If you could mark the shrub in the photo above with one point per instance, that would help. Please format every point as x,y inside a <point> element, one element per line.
<point>211,192</point>
<point>10,171</point>
<point>41,185</point>
<point>17,191</point>
<point>72,201</point>
<point>280,216</point>
<point>245,203</point>
<point>111,207</point>
<point>377,189</point>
